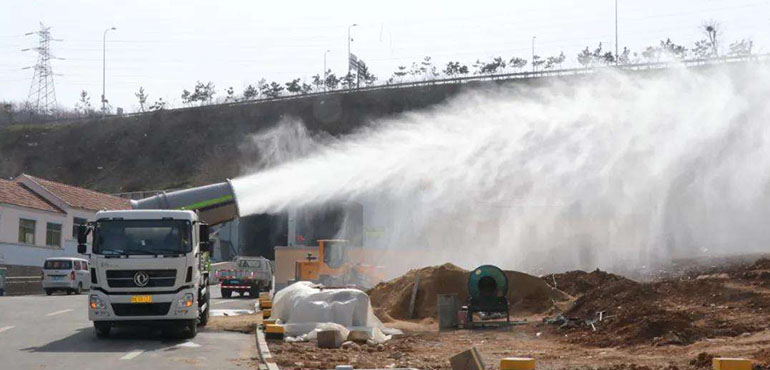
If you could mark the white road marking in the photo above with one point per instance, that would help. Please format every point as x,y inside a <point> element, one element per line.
<point>216,313</point>
<point>4,328</point>
<point>220,302</point>
<point>59,312</point>
<point>131,355</point>
<point>188,344</point>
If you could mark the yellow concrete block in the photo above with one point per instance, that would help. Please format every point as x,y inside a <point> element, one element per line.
<point>270,321</point>
<point>265,303</point>
<point>266,313</point>
<point>725,363</point>
<point>264,295</point>
<point>273,331</point>
<point>517,363</point>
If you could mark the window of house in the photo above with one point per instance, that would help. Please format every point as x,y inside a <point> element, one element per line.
<point>26,231</point>
<point>53,235</point>
<point>77,221</point>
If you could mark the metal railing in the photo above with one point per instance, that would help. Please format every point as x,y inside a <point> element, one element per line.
<point>502,77</point>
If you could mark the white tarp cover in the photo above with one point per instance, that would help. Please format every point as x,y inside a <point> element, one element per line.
<point>304,308</point>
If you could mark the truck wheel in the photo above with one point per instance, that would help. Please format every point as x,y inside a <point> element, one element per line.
<point>79,289</point>
<point>102,329</point>
<point>48,292</point>
<point>190,329</point>
<point>226,293</point>
<point>69,291</point>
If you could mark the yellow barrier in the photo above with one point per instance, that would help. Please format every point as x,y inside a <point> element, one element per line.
<point>725,363</point>
<point>517,363</point>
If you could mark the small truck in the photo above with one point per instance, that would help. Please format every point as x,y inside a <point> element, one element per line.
<point>250,274</point>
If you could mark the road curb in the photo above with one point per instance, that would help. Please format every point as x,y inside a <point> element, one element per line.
<point>265,358</point>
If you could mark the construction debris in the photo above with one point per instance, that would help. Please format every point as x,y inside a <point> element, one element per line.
<point>329,338</point>
<point>467,360</point>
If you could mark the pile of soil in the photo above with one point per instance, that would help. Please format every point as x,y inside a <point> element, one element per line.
<point>577,283</point>
<point>526,293</point>
<point>674,311</point>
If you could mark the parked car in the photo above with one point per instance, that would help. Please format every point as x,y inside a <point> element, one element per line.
<point>67,274</point>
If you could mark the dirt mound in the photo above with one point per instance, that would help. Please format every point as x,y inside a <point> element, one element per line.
<point>390,299</point>
<point>667,312</point>
<point>577,283</point>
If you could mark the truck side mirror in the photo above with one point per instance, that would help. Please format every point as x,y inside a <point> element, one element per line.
<point>82,234</point>
<point>205,247</point>
<point>205,243</point>
<point>82,238</point>
<point>204,233</point>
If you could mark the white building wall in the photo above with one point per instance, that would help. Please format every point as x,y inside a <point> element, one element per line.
<point>9,223</point>
<point>28,255</point>
<point>14,253</point>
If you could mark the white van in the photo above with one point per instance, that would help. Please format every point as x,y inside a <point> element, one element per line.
<point>66,274</point>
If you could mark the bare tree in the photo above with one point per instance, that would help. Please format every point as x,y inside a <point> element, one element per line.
<point>708,47</point>
<point>142,96</point>
<point>741,48</point>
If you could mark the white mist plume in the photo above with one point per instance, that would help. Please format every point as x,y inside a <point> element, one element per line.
<point>614,169</point>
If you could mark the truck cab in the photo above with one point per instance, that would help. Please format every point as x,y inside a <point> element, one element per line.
<point>147,267</point>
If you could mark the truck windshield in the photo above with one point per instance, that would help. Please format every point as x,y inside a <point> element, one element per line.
<point>250,263</point>
<point>127,237</point>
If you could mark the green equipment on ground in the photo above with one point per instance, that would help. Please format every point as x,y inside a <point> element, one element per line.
<point>487,293</point>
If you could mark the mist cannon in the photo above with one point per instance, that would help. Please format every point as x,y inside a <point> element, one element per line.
<point>487,292</point>
<point>215,203</point>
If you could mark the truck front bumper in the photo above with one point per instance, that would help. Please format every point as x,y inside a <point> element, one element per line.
<point>118,307</point>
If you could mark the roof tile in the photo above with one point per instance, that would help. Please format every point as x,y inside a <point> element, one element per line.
<point>18,194</point>
<point>83,198</point>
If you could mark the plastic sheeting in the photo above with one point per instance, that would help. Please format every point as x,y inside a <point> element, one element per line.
<point>304,308</point>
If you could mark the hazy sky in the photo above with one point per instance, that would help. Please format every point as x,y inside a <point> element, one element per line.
<point>166,46</point>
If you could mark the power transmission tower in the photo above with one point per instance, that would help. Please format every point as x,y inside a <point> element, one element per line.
<point>42,93</point>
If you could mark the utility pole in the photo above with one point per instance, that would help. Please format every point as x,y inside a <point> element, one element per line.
<point>104,70</point>
<point>616,32</point>
<point>349,40</point>
<point>325,74</point>
<point>42,93</point>
<point>533,53</point>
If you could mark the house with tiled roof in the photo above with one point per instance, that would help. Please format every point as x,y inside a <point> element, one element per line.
<point>38,218</point>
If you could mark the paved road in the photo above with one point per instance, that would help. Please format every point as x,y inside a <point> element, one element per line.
<point>41,332</point>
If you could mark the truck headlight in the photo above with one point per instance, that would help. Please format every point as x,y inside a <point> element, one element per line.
<point>186,301</point>
<point>96,303</point>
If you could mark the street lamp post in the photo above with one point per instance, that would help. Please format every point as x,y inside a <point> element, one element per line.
<point>349,39</point>
<point>533,53</point>
<point>616,32</point>
<point>325,74</point>
<point>104,70</point>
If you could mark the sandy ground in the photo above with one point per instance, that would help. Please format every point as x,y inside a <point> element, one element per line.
<point>673,322</point>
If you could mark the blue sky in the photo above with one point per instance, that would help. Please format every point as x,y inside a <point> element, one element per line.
<point>166,46</point>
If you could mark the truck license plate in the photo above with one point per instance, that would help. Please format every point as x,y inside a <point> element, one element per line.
<point>141,299</point>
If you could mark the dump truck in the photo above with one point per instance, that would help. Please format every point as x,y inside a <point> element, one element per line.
<point>150,265</point>
<point>251,275</point>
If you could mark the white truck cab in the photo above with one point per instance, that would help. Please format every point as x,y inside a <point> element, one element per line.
<point>147,267</point>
